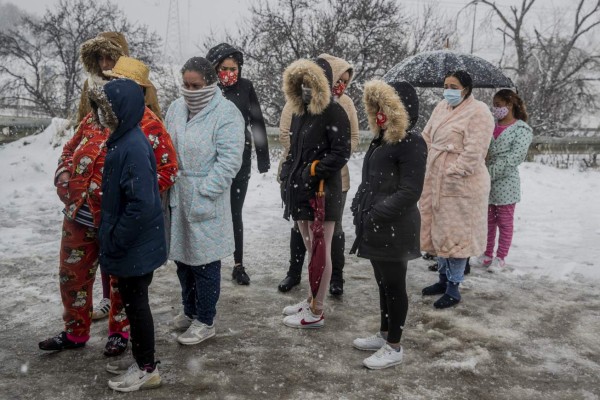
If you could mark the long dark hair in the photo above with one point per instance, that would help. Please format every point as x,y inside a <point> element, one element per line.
<point>510,97</point>
<point>464,78</point>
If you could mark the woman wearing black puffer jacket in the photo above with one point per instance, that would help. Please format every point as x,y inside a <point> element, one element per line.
<point>385,209</point>
<point>320,132</point>
<point>228,62</point>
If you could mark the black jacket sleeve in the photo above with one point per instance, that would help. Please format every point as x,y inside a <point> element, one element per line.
<point>259,132</point>
<point>412,159</point>
<point>338,134</point>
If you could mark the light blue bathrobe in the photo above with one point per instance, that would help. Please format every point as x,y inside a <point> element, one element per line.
<point>209,152</point>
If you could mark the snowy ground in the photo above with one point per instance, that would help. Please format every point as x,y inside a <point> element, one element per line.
<point>530,332</point>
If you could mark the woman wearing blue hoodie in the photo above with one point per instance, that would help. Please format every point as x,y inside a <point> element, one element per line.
<point>131,231</point>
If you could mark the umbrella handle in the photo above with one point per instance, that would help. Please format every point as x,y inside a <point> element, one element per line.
<point>313,172</point>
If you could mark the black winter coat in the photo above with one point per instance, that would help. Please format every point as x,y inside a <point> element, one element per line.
<point>131,231</point>
<point>323,136</point>
<point>243,95</point>
<point>386,215</point>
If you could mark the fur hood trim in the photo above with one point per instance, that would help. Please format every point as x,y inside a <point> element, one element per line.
<point>112,44</point>
<point>99,100</point>
<point>301,71</point>
<point>378,95</point>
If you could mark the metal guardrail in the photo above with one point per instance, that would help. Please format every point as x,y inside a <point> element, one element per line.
<point>539,145</point>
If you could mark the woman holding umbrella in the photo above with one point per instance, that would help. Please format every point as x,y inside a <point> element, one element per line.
<point>385,209</point>
<point>320,147</point>
<point>457,184</point>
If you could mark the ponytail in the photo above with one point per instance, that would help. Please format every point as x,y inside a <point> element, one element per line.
<point>510,97</point>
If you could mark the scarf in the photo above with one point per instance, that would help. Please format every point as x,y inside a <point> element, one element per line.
<point>196,100</point>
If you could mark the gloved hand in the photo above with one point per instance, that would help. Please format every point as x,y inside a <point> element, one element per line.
<point>310,182</point>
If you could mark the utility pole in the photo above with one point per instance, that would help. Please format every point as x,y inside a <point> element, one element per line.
<point>173,37</point>
<point>473,28</point>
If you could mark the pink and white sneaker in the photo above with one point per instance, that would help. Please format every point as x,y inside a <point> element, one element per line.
<point>481,261</point>
<point>305,319</point>
<point>497,265</point>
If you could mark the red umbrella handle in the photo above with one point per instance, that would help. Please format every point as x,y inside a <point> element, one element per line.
<point>321,191</point>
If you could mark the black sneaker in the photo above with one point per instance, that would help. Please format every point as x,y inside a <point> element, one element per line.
<point>240,276</point>
<point>436,288</point>
<point>288,283</point>
<point>115,346</point>
<point>445,301</point>
<point>59,342</point>
<point>336,288</point>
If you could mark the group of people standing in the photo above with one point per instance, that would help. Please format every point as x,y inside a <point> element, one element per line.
<point>138,191</point>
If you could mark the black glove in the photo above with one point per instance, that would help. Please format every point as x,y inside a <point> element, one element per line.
<point>309,181</point>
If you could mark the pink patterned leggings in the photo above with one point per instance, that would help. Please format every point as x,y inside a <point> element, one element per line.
<point>501,218</point>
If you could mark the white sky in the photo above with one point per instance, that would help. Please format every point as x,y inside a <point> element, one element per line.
<point>207,15</point>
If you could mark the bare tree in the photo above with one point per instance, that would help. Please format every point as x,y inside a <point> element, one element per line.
<point>373,35</point>
<point>40,57</point>
<point>553,64</point>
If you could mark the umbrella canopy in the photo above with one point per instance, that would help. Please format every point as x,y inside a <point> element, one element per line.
<point>316,266</point>
<point>429,68</point>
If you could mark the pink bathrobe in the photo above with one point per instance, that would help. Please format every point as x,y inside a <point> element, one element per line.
<point>457,184</point>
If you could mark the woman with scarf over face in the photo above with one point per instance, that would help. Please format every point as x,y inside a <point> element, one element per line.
<point>457,184</point>
<point>205,127</point>
<point>385,209</point>
<point>320,147</point>
<point>228,62</point>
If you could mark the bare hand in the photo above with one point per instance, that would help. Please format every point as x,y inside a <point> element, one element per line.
<point>64,177</point>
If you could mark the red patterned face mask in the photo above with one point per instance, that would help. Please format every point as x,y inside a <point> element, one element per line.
<point>228,78</point>
<point>381,119</point>
<point>338,89</point>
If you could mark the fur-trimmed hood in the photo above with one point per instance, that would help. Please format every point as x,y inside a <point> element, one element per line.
<point>121,102</point>
<point>398,101</point>
<point>112,44</point>
<point>315,76</point>
<point>338,67</point>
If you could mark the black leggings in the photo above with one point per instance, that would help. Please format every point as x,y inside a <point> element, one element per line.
<point>134,292</point>
<point>239,187</point>
<point>393,300</point>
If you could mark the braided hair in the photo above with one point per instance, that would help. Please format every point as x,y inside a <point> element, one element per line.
<point>510,97</point>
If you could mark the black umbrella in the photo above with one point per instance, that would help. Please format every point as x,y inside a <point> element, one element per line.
<point>429,68</point>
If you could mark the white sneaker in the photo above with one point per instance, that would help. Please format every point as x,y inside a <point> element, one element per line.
<point>385,357</point>
<point>181,321</point>
<point>296,308</point>
<point>496,266</point>
<point>119,367</point>
<point>102,310</point>
<point>305,319</point>
<point>481,261</point>
<point>371,343</point>
<point>196,333</point>
<point>135,379</point>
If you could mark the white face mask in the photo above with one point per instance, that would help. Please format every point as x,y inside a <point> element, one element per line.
<point>102,118</point>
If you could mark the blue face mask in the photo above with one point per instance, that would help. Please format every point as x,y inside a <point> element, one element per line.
<point>453,96</point>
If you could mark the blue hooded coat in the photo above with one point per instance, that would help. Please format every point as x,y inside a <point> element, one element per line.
<point>131,231</point>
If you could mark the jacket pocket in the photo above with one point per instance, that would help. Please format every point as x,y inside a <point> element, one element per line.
<point>200,208</point>
<point>454,186</point>
<point>107,239</point>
